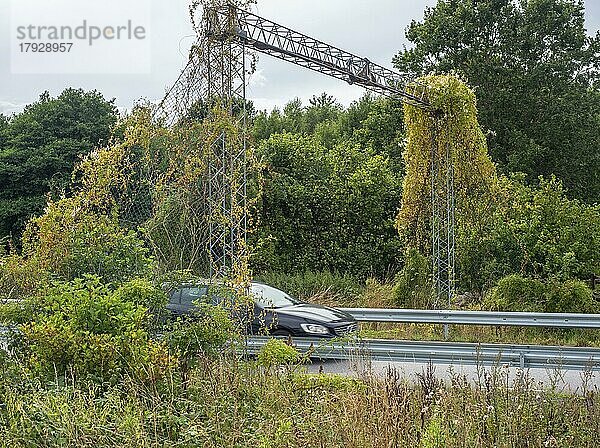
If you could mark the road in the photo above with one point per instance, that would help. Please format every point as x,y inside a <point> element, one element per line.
<point>563,380</point>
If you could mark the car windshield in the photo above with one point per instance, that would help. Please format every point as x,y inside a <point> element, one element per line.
<point>269,297</point>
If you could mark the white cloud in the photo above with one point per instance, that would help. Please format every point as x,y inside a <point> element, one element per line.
<point>257,79</point>
<point>8,108</point>
<point>266,103</point>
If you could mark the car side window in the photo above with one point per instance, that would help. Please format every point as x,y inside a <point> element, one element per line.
<point>175,297</point>
<point>259,294</point>
<point>190,295</point>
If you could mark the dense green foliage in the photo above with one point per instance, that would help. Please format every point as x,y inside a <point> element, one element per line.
<point>516,293</point>
<point>535,71</point>
<point>412,288</point>
<point>203,334</point>
<point>276,352</point>
<point>40,147</point>
<point>326,209</point>
<point>535,231</point>
<point>70,242</point>
<point>87,331</point>
<point>502,225</point>
<point>373,124</point>
<point>330,187</point>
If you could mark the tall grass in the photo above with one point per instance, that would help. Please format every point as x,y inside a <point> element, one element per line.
<point>229,403</point>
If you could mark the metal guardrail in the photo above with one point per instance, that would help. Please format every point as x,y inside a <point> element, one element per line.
<point>523,356</point>
<point>491,318</point>
<point>514,355</point>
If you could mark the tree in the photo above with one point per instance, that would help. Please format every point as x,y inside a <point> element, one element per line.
<point>534,231</point>
<point>536,76</point>
<point>326,209</point>
<point>296,118</point>
<point>3,129</point>
<point>372,123</point>
<point>40,146</point>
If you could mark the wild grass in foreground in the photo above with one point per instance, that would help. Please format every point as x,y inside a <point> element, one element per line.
<point>230,403</point>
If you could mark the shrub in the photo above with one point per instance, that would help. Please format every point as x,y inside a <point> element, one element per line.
<point>70,241</point>
<point>534,230</point>
<point>412,287</point>
<point>517,293</point>
<point>572,296</point>
<point>325,208</point>
<point>19,279</point>
<point>276,353</point>
<point>376,295</point>
<point>11,312</point>
<point>141,291</point>
<point>84,328</point>
<point>205,333</point>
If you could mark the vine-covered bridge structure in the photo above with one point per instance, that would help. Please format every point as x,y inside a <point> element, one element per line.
<point>219,63</point>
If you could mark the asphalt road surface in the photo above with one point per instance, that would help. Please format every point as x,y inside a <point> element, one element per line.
<point>574,381</point>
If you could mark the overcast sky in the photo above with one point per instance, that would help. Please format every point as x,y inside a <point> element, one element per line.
<point>369,28</point>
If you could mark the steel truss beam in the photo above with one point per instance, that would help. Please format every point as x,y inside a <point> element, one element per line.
<point>268,37</point>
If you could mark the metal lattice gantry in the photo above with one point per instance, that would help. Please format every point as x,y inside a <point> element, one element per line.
<point>442,225</point>
<point>217,69</point>
<point>216,75</point>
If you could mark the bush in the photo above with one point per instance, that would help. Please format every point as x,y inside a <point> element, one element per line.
<point>412,287</point>
<point>205,333</point>
<point>276,353</point>
<point>85,329</point>
<point>141,291</point>
<point>536,231</point>
<point>326,209</point>
<point>517,293</point>
<point>19,279</point>
<point>70,241</point>
<point>572,296</point>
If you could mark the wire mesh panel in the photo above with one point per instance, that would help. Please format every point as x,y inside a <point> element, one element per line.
<point>214,81</point>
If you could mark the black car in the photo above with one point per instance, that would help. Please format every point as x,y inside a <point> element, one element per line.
<point>275,312</point>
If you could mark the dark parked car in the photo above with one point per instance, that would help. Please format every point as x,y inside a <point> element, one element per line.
<point>275,312</point>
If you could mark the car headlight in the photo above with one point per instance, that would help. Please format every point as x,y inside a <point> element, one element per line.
<point>314,329</point>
